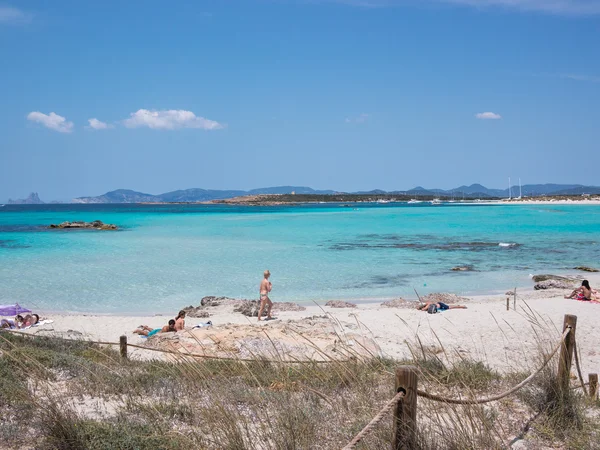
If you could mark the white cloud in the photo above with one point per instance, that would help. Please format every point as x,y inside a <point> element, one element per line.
<point>488,116</point>
<point>568,7</point>
<point>52,121</point>
<point>172,119</point>
<point>96,124</point>
<point>360,119</point>
<point>14,16</point>
<point>562,7</point>
<point>589,78</point>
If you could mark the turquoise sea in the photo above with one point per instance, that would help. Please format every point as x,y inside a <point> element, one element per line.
<point>169,256</point>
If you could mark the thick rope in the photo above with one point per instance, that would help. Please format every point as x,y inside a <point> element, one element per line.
<point>180,354</point>
<point>478,401</point>
<point>373,423</point>
<point>579,368</point>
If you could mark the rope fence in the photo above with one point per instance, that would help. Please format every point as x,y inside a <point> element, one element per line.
<point>406,382</point>
<point>123,344</point>
<point>373,423</point>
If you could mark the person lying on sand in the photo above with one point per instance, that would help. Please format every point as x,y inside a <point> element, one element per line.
<point>583,293</point>
<point>29,320</point>
<point>12,324</point>
<point>145,330</point>
<point>180,321</point>
<point>439,306</point>
<point>264,289</point>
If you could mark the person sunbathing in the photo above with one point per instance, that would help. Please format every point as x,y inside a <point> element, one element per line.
<point>180,321</point>
<point>439,306</point>
<point>12,324</point>
<point>583,293</point>
<point>145,330</point>
<point>29,320</point>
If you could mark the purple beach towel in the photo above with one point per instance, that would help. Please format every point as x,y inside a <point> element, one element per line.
<point>12,310</point>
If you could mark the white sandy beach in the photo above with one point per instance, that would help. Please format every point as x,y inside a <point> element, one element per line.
<point>486,331</point>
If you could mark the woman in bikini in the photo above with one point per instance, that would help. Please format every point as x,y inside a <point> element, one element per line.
<point>265,288</point>
<point>583,293</point>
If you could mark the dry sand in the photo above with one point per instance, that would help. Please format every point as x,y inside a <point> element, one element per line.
<point>506,340</point>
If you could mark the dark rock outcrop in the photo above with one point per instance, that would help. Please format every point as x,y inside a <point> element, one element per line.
<point>340,304</point>
<point>211,300</point>
<point>95,225</point>
<point>250,307</point>
<point>467,268</point>
<point>546,277</point>
<point>586,269</point>
<point>196,312</point>
<point>555,284</point>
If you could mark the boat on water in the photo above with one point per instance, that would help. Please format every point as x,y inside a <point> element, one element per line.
<point>436,201</point>
<point>413,201</point>
<point>381,200</point>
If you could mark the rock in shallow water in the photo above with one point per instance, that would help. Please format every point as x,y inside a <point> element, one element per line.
<point>586,269</point>
<point>95,225</point>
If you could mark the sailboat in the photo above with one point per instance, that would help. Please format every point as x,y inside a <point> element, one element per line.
<point>509,191</point>
<point>520,193</point>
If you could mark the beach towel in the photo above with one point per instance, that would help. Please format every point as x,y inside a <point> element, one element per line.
<point>203,325</point>
<point>12,310</point>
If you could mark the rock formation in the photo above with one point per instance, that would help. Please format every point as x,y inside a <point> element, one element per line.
<point>95,225</point>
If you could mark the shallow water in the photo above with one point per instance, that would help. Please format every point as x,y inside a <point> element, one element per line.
<point>168,256</point>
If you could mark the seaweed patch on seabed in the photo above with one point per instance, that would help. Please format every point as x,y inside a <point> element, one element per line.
<point>21,228</point>
<point>373,241</point>
<point>381,281</point>
<point>10,243</point>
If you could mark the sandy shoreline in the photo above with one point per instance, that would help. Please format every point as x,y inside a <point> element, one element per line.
<point>485,331</point>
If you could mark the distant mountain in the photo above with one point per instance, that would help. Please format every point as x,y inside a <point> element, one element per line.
<point>287,190</point>
<point>33,199</point>
<point>198,195</point>
<point>191,195</point>
<point>203,195</point>
<point>120,196</point>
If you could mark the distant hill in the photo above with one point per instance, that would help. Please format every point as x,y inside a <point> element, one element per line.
<point>191,195</point>
<point>287,190</point>
<point>33,199</point>
<point>119,196</point>
<point>203,195</point>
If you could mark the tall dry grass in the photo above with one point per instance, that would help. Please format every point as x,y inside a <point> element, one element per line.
<point>77,395</point>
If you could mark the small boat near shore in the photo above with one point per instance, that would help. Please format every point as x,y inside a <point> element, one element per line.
<point>414,201</point>
<point>436,201</point>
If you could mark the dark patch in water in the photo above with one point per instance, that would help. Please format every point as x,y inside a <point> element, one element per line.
<point>10,243</point>
<point>476,246</point>
<point>21,228</point>
<point>377,281</point>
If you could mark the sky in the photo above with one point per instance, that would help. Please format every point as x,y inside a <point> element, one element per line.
<point>347,95</point>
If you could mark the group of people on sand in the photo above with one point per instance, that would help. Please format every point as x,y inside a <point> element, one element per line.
<point>584,293</point>
<point>174,325</point>
<point>20,322</point>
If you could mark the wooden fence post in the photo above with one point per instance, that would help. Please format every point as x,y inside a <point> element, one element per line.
<point>123,346</point>
<point>515,299</point>
<point>507,303</point>
<point>566,351</point>
<point>405,413</point>
<point>593,378</point>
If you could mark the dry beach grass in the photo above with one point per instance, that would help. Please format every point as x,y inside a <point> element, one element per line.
<point>78,395</point>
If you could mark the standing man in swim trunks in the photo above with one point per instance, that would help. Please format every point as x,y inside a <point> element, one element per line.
<point>265,288</point>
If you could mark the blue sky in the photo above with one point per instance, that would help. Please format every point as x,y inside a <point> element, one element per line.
<point>332,94</point>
